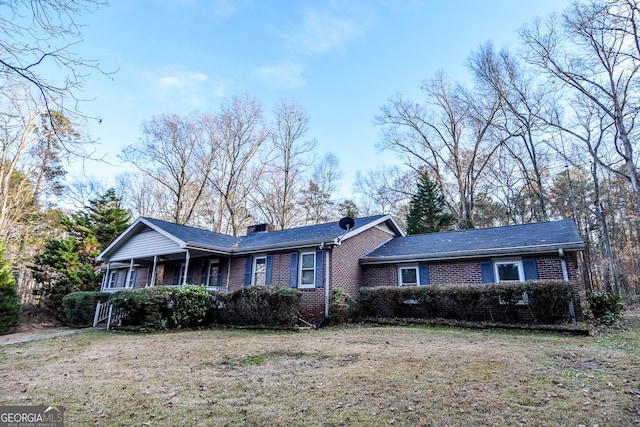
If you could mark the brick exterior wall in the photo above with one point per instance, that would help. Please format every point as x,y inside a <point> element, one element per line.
<point>346,271</point>
<point>467,272</point>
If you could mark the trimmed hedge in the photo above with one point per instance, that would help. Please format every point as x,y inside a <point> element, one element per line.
<point>543,302</point>
<point>258,305</point>
<point>161,307</point>
<point>80,307</point>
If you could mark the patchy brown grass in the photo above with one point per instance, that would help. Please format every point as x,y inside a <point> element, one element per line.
<point>352,376</point>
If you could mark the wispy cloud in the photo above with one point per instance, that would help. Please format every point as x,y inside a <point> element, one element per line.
<point>181,85</point>
<point>328,29</point>
<point>287,75</point>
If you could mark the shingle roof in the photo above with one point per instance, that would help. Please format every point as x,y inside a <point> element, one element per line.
<point>195,235</point>
<point>509,240</point>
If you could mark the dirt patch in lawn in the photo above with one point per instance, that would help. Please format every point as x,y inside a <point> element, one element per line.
<point>332,377</point>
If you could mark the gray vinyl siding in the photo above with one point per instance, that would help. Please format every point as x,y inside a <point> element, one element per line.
<point>145,244</point>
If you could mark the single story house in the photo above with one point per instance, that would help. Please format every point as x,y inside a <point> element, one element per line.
<point>317,259</point>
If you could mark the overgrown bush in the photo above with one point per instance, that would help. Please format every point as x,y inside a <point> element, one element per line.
<point>191,305</point>
<point>342,305</point>
<point>80,307</point>
<point>149,307</point>
<point>258,305</point>
<point>606,307</point>
<point>504,302</point>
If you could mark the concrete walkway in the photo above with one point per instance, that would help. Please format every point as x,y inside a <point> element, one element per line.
<point>42,334</point>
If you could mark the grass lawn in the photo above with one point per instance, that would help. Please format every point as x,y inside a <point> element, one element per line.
<point>367,376</point>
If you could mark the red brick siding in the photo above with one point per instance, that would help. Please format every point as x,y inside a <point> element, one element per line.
<point>467,272</point>
<point>346,271</point>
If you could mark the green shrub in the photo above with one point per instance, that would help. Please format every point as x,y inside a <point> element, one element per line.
<point>80,307</point>
<point>148,308</point>
<point>606,308</point>
<point>341,306</point>
<point>503,302</point>
<point>191,305</point>
<point>258,305</point>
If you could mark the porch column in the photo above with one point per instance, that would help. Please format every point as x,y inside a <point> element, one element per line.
<point>186,268</point>
<point>105,278</point>
<point>153,271</point>
<point>129,273</point>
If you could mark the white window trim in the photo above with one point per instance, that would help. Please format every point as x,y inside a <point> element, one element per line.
<point>254,271</point>
<point>313,284</point>
<point>508,261</point>
<point>406,267</point>
<point>212,263</point>
<point>525,296</point>
<point>113,279</point>
<point>131,281</point>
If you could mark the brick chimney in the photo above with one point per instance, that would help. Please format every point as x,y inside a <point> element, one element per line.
<point>260,228</point>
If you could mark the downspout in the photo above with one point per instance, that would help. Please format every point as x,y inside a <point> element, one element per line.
<point>326,283</point>
<point>228,273</point>
<point>565,276</point>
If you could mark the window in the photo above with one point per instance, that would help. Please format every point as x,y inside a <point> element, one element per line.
<point>307,278</point>
<point>212,273</point>
<point>509,271</point>
<point>132,278</point>
<point>113,279</point>
<point>180,275</point>
<point>408,276</point>
<point>259,271</point>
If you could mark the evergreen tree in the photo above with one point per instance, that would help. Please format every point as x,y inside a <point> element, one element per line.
<point>427,210</point>
<point>69,264</point>
<point>9,301</point>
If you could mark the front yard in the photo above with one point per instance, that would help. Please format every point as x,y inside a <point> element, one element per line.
<point>352,376</point>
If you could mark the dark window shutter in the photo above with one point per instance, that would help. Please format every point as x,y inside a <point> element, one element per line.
<point>424,274</point>
<point>247,271</point>
<point>530,269</point>
<point>267,274</point>
<point>219,277</point>
<point>293,271</point>
<point>204,271</point>
<point>486,271</point>
<point>319,268</point>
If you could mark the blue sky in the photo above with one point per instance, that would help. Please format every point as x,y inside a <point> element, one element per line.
<point>341,60</point>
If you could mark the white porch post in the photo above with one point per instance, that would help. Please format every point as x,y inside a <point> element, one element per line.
<point>153,271</point>
<point>186,268</point>
<point>105,279</point>
<point>129,273</point>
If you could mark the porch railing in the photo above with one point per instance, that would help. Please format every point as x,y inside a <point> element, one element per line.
<point>106,312</point>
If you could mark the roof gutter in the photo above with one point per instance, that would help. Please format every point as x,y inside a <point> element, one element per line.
<point>446,256</point>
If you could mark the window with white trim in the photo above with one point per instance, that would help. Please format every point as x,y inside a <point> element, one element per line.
<point>212,273</point>
<point>259,271</point>
<point>307,275</point>
<point>509,271</point>
<point>408,275</point>
<point>113,279</point>
<point>132,278</point>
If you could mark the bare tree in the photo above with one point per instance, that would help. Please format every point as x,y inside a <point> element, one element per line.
<point>523,103</point>
<point>238,134</point>
<point>385,190</point>
<point>36,34</point>
<point>173,153</point>
<point>450,136</point>
<point>595,51</point>
<point>280,184</point>
<point>317,198</point>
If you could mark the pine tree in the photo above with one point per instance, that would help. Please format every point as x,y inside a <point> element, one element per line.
<point>427,210</point>
<point>69,264</point>
<point>9,300</point>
